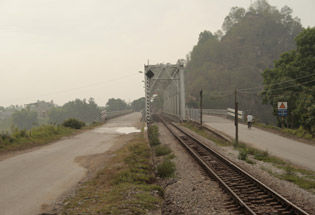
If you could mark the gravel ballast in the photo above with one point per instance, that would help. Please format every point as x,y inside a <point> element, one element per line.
<point>192,192</point>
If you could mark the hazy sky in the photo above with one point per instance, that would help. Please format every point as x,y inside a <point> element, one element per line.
<point>66,49</point>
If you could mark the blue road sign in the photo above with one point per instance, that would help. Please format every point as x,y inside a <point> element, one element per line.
<point>282,112</point>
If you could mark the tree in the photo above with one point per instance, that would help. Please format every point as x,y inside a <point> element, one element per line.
<point>138,105</point>
<point>235,16</point>
<point>79,109</point>
<point>57,115</point>
<point>25,119</point>
<point>116,105</point>
<point>295,69</point>
<point>204,36</point>
<point>253,40</point>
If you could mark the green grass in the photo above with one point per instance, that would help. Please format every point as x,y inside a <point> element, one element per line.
<point>166,168</point>
<point>243,154</point>
<point>301,177</point>
<point>125,186</point>
<point>153,134</point>
<point>161,150</point>
<point>20,139</point>
<point>300,132</point>
<point>201,131</point>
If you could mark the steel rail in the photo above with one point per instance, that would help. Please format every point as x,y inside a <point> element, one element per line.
<point>294,209</point>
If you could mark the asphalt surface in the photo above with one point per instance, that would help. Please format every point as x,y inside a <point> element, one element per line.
<point>299,153</point>
<point>33,179</point>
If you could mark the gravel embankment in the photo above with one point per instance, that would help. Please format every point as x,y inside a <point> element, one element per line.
<point>192,192</point>
<point>289,190</point>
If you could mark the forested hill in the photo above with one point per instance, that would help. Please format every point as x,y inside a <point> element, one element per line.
<point>234,59</point>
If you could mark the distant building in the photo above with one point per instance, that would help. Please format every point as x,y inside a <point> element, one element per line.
<point>41,107</point>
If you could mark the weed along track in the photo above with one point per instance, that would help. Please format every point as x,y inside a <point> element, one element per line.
<point>248,195</point>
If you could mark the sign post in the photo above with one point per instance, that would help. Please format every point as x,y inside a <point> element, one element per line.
<point>282,110</point>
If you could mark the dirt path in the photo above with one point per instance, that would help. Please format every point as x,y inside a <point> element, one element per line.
<point>296,152</point>
<point>36,178</point>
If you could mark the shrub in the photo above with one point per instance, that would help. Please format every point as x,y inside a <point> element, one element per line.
<point>73,123</point>
<point>154,141</point>
<point>153,134</point>
<point>162,150</point>
<point>166,168</point>
<point>153,131</point>
<point>261,155</point>
<point>243,153</point>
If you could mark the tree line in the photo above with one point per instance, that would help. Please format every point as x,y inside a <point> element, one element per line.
<point>236,57</point>
<point>84,110</point>
<point>292,79</point>
<point>263,53</point>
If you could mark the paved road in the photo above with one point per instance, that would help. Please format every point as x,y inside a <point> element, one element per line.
<point>297,152</point>
<point>29,180</point>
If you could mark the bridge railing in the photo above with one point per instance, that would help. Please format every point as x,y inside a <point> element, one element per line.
<point>240,114</point>
<point>114,114</point>
<point>194,114</point>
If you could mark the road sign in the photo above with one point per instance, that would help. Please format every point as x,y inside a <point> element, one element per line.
<point>282,112</point>
<point>149,74</point>
<point>282,105</point>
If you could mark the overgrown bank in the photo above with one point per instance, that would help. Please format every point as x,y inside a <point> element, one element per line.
<point>299,133</point>
<point>165,167</point>
<point>20,139</point>
<point>125,186</point>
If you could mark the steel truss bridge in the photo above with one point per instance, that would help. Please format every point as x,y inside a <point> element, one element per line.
<point>166,80</point>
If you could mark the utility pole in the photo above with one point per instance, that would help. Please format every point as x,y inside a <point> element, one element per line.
<point>182,93</point>
<point>236,118</point>
<point>200,108</point>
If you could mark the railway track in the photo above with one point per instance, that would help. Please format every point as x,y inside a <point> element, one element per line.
<point>248,195</point>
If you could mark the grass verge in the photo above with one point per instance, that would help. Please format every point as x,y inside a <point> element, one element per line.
<point>166,167</point>
<point>40,135</point>
<point>299,133</point>
<point>299,176</point>
<point>202,132</point>
<point>161,150</point>
<point>22,139</point>
<point>125,186</point>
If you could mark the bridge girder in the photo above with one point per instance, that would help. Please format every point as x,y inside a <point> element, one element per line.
<point>168,81</point>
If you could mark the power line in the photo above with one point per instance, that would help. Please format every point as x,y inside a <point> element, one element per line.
<point>219,96</point>
<point>282,88</point>
<point>276,83</point>
<point>245,89</point>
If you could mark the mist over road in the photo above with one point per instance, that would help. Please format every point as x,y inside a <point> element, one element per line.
<point>39,177</point>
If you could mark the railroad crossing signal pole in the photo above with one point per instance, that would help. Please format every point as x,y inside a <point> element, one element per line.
<point>148,75</point>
